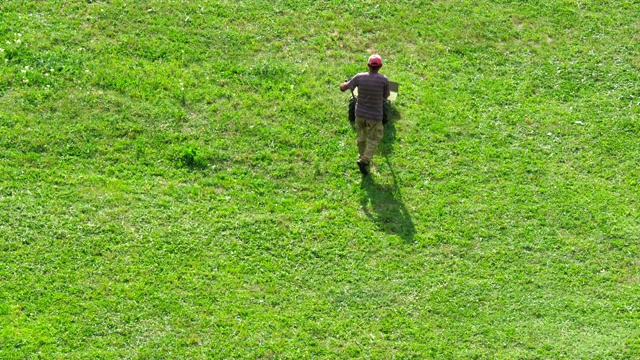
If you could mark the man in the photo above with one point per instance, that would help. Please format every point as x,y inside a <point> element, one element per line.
<point>373,88</point>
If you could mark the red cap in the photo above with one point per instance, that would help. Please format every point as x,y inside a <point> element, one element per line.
<point>375,60</point>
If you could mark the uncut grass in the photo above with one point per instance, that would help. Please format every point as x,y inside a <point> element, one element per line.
<point>501,219</point>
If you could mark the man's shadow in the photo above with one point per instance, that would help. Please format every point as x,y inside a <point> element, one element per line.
<point>383,203</point>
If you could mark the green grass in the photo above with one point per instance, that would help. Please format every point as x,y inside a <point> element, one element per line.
<point>178,180</point>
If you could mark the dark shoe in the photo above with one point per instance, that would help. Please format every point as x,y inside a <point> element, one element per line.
<point>363,168</point>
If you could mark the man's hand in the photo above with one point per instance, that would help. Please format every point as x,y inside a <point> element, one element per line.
<point>344,86</point>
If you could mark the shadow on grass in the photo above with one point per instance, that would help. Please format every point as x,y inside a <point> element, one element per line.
<point>389,138</point>
<point>383,203</point>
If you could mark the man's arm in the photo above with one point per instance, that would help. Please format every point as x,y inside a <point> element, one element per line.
<point>348,83</point>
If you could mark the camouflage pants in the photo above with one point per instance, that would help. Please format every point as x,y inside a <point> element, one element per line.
<point>369,135</point>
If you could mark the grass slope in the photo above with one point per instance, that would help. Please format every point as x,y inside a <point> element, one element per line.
<point>178,180</point>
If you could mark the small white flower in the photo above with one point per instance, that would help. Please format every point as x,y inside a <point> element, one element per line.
<point>8,42</point>
<point>24,71</point>
<point>1,50</point>
<point>25,80</point>
<point>18,41</point>
<point>46,74</point>
<point>51,70</point>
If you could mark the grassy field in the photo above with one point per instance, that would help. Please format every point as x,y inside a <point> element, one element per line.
<point>178,180</point>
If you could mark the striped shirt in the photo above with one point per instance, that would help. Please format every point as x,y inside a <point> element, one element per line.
<point>373,88</point>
